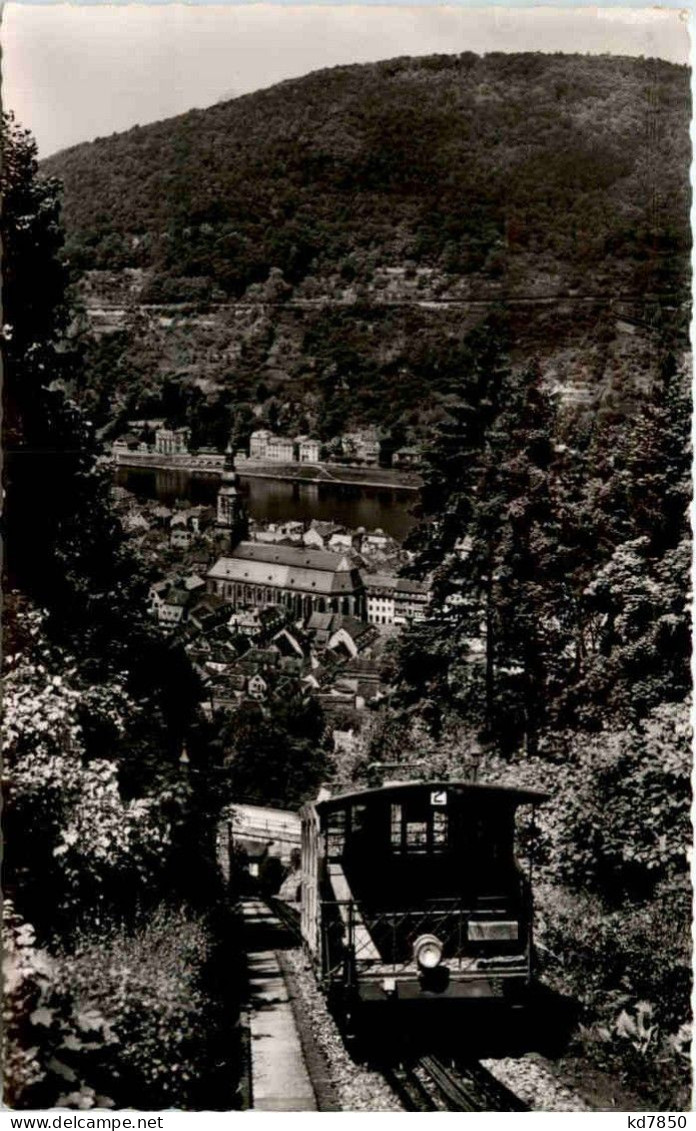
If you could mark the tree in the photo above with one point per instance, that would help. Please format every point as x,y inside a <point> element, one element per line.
<point>276,751</point>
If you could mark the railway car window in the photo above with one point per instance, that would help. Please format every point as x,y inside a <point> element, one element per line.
<point>396,828</point>
<point>359,819</point>
<point>439,829</point>
<point>336,833</point>
<point>416,836</point>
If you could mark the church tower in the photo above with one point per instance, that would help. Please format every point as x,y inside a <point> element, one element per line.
<point>231,512</point>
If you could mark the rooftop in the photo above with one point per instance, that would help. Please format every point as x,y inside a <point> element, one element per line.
<point>287,567</point>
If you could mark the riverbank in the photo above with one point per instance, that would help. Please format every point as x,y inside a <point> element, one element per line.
<point>289,472</point>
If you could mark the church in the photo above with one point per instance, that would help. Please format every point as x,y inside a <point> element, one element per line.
<point>253,574</point>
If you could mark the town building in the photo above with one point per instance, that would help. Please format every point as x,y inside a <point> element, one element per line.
<point>363,448</point>
<point>258,625</point>
<point>394,600</point>
<point>319,534</point>
<point>411,600</point>
<point>407,458</point>
<point>308,450</point>
<point>280,449</point>
<point>209,612</point>
<point>180,533</point>
<point>258,444</point>
<point>299,579</point>
<point>172,441</point>
<point>341,542</point>
<point>171,610</point>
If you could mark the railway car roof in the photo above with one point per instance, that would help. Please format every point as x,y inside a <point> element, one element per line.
<point>500,793</point>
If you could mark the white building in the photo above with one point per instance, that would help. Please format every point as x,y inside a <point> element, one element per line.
<point>308,450</point>
<point>394,600</point>
<point>258,443</point>
<point>280,449</point>
<point>172,441</point>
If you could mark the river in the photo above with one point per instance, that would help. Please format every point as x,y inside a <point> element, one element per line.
<point>277,500</point>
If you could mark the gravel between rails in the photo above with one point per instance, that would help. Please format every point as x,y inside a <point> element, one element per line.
<point>534,1082</point>
<point>358,1088</point>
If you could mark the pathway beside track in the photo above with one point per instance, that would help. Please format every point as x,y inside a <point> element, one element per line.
<point>280,1079</point>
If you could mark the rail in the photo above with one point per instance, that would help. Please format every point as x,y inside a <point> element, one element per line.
<point>428,1084</point>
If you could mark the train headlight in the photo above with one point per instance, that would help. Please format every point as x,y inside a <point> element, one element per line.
<point>427,951</point>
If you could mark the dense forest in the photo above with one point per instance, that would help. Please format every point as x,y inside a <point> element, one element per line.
<point>477,165</point>
<point>323,243</point>
<point>557,654</point>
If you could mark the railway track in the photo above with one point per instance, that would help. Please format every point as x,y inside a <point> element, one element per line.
<point>287,915</point>
<point>430,1085</point>
<point>409,1088</point>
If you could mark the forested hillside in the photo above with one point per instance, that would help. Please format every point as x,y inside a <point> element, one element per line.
<point>413,195</point>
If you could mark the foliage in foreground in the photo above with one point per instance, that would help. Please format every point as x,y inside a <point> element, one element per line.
<point>630,970</point>
<point>125,1018</point>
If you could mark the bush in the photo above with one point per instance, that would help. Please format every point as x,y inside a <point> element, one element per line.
<point>50,1044</point>
<point>90,846</point>
<point>630,969</point>
<point>124,1019</point>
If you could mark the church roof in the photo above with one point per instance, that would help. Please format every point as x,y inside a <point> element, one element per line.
<point>287,567</point>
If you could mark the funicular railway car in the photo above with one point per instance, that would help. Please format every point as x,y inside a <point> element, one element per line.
<point>412,892</point>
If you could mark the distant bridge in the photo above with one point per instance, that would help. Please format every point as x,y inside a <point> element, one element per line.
<point>245,826</point>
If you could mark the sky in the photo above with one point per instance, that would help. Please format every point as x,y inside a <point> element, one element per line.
<point>73,72</point>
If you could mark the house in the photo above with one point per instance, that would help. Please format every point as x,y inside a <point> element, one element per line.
<point>257,687</point>
<point>201,518</point>
<point>208,612</point>
<point>258,624</point>
<point>270,536</point>
<point>162,515</point>
<point>172,441</point>
<point>128,442</point>
<point>320,626</point>
<point>194,584</point>
<point>307,450</point>
<point>394,600</point>
<point>319,534</point>
<point>180,533</point>
<point>463,547</point>
<point>375,541</point>
<point>199,560</point>
<point>258,443</point>
<point>135,523</point>
<point>280,449</point>
<point>226,690</point>
<point>411,600</point>
<point>407,458</point>
<point>290,644</point>
<point>379,598</point>
<point>157,593</point>
<point>258,659</point>
<point>362,447</point>
<point>351,636</point>
<point>340,542</point>
<point>173,607</point>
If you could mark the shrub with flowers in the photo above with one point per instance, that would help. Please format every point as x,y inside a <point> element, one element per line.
<point>87,841</point>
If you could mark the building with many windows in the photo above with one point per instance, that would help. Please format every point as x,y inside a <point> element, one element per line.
<point>308,450</point>
<point>303,581</point>
<point>394,600</point>
<point>172,441</point>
